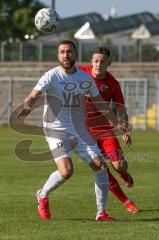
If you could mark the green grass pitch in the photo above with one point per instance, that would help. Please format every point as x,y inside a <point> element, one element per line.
<point>73,204</point>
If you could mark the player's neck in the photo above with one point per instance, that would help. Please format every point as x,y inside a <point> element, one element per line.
<point>71,70</point>
<point>98,76</point>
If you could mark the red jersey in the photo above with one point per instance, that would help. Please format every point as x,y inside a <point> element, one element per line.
<point>110,91</point>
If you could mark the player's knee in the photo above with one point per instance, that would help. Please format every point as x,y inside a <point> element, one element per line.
<point>124,166</point>
<point>65,167</point>
<point>121,166</point>
<point>98,163</point>
<point>66,173</point>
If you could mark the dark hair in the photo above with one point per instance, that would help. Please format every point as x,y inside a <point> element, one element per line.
<point>67,42</point>
<point>102,50</point>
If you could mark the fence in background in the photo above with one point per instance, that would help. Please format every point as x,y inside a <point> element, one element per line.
<point>141,98</point>
<point>136,98</point>
<point>38,51</point>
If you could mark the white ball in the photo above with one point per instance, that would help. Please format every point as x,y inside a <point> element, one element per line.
<point>46,20</point>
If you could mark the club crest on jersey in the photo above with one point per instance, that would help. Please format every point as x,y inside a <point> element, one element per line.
<point>103,88</point>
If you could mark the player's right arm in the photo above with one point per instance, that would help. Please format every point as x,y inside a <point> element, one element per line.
<point>28,103</point>
<point>41,87</point>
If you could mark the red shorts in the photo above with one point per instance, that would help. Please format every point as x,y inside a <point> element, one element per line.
<point>111,149</point>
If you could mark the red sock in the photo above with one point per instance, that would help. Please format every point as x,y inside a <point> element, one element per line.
<point>115,188</point>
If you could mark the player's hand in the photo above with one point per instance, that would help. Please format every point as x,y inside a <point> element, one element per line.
<point>127,139</point>
<point>126,133</point>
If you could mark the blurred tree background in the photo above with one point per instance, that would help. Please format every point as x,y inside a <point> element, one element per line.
<point>17,18</point>
<point>21,41</point>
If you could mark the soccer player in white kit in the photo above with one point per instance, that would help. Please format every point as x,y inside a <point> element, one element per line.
<point>65,87</point>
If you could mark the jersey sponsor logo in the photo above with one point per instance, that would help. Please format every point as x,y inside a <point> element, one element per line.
<point>72,92</point>
<point>72,86</point>
<point>71,99</point>
<point>59,144</point>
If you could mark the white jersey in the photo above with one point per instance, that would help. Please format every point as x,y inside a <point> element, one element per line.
<point>65,95</point>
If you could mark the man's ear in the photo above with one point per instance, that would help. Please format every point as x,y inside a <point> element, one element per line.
<point>91,61</point>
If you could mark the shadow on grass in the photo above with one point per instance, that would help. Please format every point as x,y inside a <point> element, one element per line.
<point>139,219</point>
<point>149,210</point>
<point>146,219</point>
<point>84,219</point>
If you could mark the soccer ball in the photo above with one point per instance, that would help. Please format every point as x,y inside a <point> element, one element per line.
<point>46,20</point>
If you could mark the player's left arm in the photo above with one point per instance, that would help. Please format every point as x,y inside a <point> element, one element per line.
<point>123,117</point>
<point>105,109</point>
<point>122,113</point>
<point>118,99</point>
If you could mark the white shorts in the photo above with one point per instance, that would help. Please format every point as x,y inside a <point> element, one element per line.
<point>85,147</point>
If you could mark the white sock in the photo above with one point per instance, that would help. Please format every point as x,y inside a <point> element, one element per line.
<point>54,181</point>
<point>101,189</point>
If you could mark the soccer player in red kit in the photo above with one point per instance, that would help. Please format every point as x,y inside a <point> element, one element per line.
<point>101,129</point>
